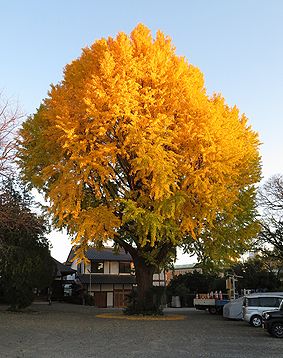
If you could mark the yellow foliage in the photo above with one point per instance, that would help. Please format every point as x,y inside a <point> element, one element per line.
<point>131,126</point>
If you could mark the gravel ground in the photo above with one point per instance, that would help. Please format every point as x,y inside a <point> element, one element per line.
<point>65,330</point>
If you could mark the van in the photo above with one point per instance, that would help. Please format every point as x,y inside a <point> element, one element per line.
<point>254,305</point>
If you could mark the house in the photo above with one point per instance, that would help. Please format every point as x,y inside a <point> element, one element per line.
<point>56,291</point>
<point>109,276</point>
<point>63,272</point>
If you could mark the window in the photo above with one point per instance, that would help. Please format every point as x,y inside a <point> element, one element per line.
<point>124,267</point>
<point>97,267</point>
<point>269,301</point>
<point>253,302</point>
<point>67,290</point>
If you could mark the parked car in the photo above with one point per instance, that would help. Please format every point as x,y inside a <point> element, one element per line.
<point>273,322</point>
<point>234,309</point>
<point>254,305</point>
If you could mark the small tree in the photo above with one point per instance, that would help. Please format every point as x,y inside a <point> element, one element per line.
<point>270,198</point>
<point>25,261</point>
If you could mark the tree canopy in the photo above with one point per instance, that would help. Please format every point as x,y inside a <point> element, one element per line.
<point>25,261</point>
<point>130,147</point>
<point>270,199</point>
<point>195,282</point>
<point>231,234</point>
<point>256,275</point>
<point>9,117</point>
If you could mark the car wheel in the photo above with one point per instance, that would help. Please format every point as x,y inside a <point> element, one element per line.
<point>277,329</point>
<point>212,310</point>
<point>256,321</point>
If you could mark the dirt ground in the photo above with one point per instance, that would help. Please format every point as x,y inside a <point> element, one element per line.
<point>65,330</point>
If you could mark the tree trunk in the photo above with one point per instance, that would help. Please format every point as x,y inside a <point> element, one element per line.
<point>144,276</point>
<point>144,300</point>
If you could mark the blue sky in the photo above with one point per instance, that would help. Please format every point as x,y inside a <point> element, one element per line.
<point>238,45</point>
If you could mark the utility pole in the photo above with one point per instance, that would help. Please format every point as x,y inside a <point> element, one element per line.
<point>89,281</point>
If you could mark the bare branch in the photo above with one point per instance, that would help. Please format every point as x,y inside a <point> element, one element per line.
<point>9,120</point>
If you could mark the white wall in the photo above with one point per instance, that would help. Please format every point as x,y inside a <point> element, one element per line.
<point>110,299</point>
<point>114,267</point>
<point>106,287</point>
<point>95,287</point>
<point>86,268</point>
<point>106,267</point>
<point>159,276</point>
<point>74,265</point>
<point>110,267</point>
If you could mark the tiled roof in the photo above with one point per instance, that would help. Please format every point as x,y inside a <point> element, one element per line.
<point>101,278</point>
<point>105,254</point>
<point>63,270</point>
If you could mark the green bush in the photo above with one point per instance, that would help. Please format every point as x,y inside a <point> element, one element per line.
<point>134,308</point>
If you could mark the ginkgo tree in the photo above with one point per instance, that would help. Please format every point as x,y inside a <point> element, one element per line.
<point>221,243</point>
<point>130,147</point>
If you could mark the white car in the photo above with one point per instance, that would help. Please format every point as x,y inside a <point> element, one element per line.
<point>254,305</point>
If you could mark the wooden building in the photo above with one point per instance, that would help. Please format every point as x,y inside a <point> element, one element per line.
<point>109,276</point>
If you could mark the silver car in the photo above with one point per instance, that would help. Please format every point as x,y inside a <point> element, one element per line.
<point>254,305</point>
